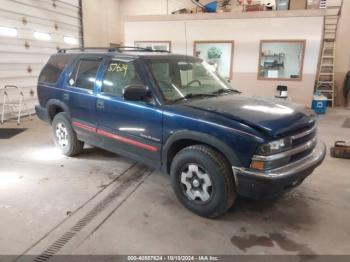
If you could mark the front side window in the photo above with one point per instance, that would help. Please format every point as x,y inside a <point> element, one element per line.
<point>84,74</point>
<point>119,74</point>
<point>182,79</point>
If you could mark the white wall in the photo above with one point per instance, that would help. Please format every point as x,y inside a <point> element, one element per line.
<point>247,34</point>
<point>102,23</point>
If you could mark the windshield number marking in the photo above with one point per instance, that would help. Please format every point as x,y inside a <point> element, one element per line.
<point>118,67</point>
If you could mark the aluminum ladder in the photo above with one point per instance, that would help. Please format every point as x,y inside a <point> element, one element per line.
<point>325,78</point>
<point>20,104</point>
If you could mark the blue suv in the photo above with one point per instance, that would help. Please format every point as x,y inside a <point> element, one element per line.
<point>172,112</point>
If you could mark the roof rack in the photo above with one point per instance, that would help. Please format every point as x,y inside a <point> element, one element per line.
<point>119,49</point>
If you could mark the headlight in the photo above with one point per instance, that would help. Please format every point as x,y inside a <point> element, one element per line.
<point>275,147</point>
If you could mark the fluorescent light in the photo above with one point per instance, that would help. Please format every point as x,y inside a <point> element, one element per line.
<point>70,40</point>
<point>8,31</point>
<point>42,36</point>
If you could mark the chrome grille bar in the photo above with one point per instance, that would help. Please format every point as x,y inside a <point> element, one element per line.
<point>305,133</point>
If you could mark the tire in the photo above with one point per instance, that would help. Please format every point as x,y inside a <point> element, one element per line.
<point>64,136</point>
<point>191,168</point>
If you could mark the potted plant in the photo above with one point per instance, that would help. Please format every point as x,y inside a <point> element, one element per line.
<point>214,55</point>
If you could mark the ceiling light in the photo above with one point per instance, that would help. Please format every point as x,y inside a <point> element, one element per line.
<point>8,31</point>
<point>70,40</point>
<point>42,36</point>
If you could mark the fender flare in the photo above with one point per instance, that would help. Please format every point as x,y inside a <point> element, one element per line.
<point>56,102</point>
<point>201,138</point>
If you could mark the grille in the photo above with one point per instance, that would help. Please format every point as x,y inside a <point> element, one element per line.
<point>304,139</point>
<point>301,138</point>
<point>300,155</point>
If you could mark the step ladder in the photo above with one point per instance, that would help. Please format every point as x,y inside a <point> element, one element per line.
<point>19,103</point>
<point>325,79</point>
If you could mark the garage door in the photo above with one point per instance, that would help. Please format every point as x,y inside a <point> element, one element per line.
<point>30,31</point>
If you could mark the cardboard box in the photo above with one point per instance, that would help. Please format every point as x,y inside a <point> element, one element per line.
<point>297,4</point>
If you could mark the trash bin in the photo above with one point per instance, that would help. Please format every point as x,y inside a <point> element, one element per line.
<point>319,103</point>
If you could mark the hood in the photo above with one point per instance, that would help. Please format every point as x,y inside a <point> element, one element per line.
<point>273,116</point>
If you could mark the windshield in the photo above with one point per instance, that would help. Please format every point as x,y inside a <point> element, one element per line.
<point>181,79</point>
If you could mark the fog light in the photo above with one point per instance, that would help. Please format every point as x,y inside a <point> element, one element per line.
<point>260,165</point>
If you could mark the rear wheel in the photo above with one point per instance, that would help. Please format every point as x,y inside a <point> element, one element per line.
<point>64,136</point>
<point>203,181</point>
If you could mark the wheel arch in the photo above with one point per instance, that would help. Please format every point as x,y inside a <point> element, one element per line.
<point>182,139</point>
<point>55,106</point>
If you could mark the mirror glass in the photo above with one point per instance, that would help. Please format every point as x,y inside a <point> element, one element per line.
<point>281,60</point>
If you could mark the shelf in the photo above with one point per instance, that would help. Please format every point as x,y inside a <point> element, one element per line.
<point>229,15</point>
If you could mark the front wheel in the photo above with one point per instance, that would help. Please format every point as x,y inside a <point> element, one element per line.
<point>64,136</point>
<point>203,181</point>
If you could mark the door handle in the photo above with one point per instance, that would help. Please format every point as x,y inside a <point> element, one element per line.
<point>100,104</point>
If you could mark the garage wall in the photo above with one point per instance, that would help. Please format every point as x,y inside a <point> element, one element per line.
<point>102,23</point>
<point>247,34</point>
<point>23,56</point>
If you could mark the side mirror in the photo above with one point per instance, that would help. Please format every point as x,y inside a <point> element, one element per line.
<point>135,92</point>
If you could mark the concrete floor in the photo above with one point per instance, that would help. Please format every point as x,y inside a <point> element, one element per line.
<point>101,203</point>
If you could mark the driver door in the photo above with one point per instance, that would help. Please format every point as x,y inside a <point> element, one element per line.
<point>132,128</point>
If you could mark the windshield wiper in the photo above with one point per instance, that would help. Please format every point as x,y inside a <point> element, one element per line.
<point>226,91</point>
<point>191,95</point>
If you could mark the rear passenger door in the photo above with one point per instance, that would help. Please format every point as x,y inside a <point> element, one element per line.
<point>80,96</point>
<point>132,128</point>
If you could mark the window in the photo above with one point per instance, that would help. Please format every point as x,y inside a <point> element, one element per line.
<point>84,74</point>
<point>42,36</point>
<point>8,31</point>
<point>154,45</point>
<point>179,79</point>
<point>70,40</point>
<point>281,59</point>
<point>119,74</point>
<point>54,68</point>
<point>218,54</point>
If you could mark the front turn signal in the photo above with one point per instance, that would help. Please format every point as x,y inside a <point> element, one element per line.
<point>259,165</point>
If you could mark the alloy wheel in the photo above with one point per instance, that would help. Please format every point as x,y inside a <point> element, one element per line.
<point>196,183</point>
<point>62,135</point>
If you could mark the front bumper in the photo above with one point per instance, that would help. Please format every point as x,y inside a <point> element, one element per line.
<point>261,184</point>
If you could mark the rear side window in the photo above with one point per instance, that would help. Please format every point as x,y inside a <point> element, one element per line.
<point>53,69</point>
<point>84,74</point>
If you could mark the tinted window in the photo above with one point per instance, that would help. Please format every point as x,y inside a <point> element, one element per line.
<point>54,68</point>
<point>118,75</point>
<point>84,74</point>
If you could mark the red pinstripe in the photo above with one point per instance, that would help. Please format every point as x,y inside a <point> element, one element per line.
<point>116,137</point>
